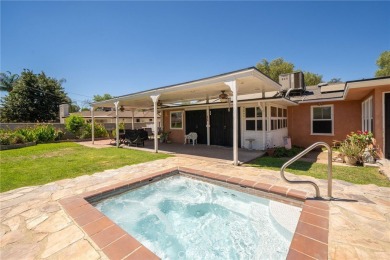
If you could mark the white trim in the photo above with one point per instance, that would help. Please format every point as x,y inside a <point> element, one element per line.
<point>321,100</point>
<point>332,119</point>
<point>198,83</point>
<point>116,104</point>
<point>93,126</point>
<point>255,118</point>
<point>208,125</point>
<point>234,88</point>
<point>170,120</point>
<point>225,105</point>
<point>278,117</point>
<point>383,122</point>
<point>367,114</point>
<point>155,129</point>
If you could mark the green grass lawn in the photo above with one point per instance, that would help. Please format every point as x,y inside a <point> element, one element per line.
<point>45,163</point>
<point>357,175</point>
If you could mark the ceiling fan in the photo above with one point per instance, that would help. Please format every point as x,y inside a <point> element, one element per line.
<point>223,97</point>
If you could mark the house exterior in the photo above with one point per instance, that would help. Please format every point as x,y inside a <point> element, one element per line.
<point>246,109</point>
<point>330,112</point>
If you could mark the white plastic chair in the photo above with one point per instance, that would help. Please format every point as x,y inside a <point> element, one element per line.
<point>191,137</point>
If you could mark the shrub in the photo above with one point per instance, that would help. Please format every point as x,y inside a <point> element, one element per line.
<point>351,149</point>
<point>28,133</point>
<point>75,124</point>
<point>45,133</point>
<point>5,138</point>
<point>59,135</point>
<point>283,152</point>
<point>17,138</point>
<point>39,134</point>
<point>100,131</point>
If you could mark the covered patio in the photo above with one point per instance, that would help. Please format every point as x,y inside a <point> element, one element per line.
<point>202,151</point>
<point>225,91</point>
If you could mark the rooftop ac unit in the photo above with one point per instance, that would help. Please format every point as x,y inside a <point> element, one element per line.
<point>292,81</point>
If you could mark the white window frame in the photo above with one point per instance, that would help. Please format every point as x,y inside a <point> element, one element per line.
<point>256,118</point>
<point>367,115</point>
<point>331,118</point>
<point>277,118</point>
<point>170,120</point>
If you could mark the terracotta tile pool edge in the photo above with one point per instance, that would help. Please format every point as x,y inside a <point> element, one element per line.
<point>310,239</point>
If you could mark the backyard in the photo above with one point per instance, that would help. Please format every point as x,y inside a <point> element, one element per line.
<point>46,163</point>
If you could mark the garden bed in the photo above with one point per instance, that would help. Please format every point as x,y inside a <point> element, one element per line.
<point>16,146</point>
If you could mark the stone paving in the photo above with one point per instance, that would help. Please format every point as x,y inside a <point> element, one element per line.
<point>34,226</point>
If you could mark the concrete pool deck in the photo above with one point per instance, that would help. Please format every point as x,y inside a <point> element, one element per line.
<point>35,226</point>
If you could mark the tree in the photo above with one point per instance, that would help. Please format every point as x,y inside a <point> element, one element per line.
<point>274,68</point>
<point>73,107</point>
<point>335,80</point>
<point>279,66</point>
<point>312,78</point>
<point>7,81</point>
<point>383,63</point>
<point>98,98</point>
<point>34,98</point>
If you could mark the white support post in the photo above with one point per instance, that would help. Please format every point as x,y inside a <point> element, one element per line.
<point>155,100</point>
<point>117,123</point>
<point>93,125</point>
<point>233,87</point>
<point>262,107</point>
<point>132,118</point>
<point>208,125</point>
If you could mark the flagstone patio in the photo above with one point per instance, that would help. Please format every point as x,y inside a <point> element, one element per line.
<point>34,225</point>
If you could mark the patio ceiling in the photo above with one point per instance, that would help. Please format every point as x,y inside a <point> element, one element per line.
<point>249,81</point>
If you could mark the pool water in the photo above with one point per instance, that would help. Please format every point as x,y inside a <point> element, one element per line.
<point>182,218</point>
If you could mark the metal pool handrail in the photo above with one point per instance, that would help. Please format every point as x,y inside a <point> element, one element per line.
<point>308,149</point>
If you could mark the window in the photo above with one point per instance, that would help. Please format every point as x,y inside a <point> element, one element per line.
<point>322,120</point>
<point>253,120</point>
<point>137,120</point>
<point>278,118</point>
<point>367,118</point>
<point>176,120</point>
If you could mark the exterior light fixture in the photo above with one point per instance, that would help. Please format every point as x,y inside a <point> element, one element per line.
<point>122,108</point>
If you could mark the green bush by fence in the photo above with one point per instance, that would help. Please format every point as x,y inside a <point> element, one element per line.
<point>46,133</point>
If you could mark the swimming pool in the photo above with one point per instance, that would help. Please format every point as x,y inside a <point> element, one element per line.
<point>181,217</point>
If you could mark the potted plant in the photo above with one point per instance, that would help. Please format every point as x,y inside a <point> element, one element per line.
<point>354,145</point>
<point>270,150</point>
<point>122,127</point>
<point>164,137</point>
<point>351,152</point>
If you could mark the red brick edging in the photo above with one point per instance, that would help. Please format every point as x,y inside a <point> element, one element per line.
<point>310,240</point>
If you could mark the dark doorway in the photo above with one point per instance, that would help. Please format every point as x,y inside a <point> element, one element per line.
<point>387,125</point>
<point>196,122</point>
<point>221,127</point>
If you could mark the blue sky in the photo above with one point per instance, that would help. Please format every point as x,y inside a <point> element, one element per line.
<point>124,47</point>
